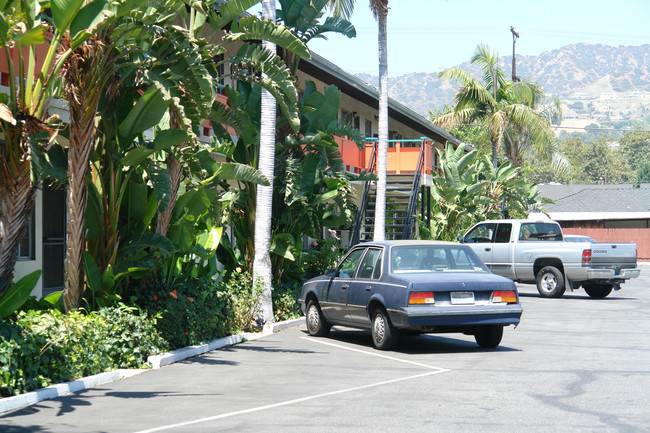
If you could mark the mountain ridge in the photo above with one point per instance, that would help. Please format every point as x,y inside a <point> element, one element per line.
<point>596,82</point>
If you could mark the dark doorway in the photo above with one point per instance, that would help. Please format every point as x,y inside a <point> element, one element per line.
<point>53,239</point>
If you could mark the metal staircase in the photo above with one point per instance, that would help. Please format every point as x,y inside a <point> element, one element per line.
<point>402,191</point>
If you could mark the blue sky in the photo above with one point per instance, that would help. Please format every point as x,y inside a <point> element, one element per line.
<point>431,35</point>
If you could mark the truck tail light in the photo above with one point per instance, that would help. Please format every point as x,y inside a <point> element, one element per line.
<point>418,298</point>
<point>504,297</point>
<point>586,257</point>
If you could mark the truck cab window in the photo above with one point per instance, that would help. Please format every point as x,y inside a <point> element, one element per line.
<point>503,233</point>
<point>482,233</point>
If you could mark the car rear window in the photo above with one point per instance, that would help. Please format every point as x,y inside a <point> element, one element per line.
<point>434,258</point>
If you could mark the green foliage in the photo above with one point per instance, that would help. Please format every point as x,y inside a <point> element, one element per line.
<point>323,255</point>
<point>468,190</point>
<point>17,293</point>
<point>39,348</point>
<point>198,310</point>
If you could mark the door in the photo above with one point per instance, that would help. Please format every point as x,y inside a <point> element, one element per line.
<point>53,239</point>
<point>502,260</point>
<point>363,287</point>
<point>335,307</point>
<point>481,239</point>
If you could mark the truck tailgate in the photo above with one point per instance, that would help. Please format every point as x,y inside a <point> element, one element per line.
<point>613,254</point>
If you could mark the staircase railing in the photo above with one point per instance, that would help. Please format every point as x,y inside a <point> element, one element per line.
<point>415,189</point>
<point>361,211</point>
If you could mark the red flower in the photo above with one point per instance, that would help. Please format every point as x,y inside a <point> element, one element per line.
<point>190,299</point>
<point>187,333</point>
<point>173,294</point>
<point>155,297</point>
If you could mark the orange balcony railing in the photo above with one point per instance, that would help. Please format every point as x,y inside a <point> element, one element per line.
<point>402,155</point>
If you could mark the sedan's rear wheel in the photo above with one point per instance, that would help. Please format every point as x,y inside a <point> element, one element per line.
<point>384,335</point>
<point>597,291</point>
<point>489,336</point>
<point>316,323</point>
<point>550,282</point>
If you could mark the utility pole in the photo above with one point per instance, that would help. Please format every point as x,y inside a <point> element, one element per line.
<point>515,36</point>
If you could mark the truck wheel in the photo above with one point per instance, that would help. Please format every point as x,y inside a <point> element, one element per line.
<point>597,291</point>
<point>489,336</point>
<point>550,282</point>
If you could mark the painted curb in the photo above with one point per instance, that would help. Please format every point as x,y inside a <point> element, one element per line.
<point>157,361</point>
<point>61,389</point>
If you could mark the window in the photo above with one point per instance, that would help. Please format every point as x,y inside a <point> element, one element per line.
<point>26,245</point>
<point>434,258</point>
<point>540,232</point>
<point>503,233</point>
<point>482,233</point>
<point>368,128</point>
<point>370,265</point>
<point>349,264</point>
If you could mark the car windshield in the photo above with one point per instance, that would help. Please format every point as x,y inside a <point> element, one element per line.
<point>434,258</point>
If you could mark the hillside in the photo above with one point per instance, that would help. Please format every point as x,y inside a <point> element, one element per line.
<point>595,82</point>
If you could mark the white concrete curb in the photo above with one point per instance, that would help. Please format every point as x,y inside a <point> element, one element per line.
<point>157,361</point>
<point>61,389</point>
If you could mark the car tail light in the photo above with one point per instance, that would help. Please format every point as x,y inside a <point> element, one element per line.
<point>504,297</point>
<point>416,298</point>
<point>586,257</point>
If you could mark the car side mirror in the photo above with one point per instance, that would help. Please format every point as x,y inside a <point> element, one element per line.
<point>460,238</point>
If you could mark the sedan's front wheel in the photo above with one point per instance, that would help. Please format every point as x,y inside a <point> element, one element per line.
<point>489,336</point>
<point>316,323</point>
<point>384,335</point>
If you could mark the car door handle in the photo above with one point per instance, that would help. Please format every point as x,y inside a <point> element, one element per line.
<point>344,286</point>
<point>488,249</point>
<point>368,288</point>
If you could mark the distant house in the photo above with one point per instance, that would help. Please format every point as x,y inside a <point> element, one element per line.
<point>607,213</point>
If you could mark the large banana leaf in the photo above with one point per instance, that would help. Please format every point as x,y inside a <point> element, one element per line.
<point>145,114</point>
<point>252,28</point>
<point>240,172</point>
<point>17,294</point>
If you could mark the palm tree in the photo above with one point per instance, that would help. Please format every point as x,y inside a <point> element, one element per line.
<point>262,272</point>
<point>25,114</point>
<point>500,105</point>
<point>344,9</point>
<point>88,74</point>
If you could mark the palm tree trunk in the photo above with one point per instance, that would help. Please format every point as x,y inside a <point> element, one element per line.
<point>175,171</point>
<point>82,134</point>
<point>382,147</point>
<point>16,203</point>
<point>262,272</point>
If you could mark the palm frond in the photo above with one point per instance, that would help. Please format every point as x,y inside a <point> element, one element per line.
<point>252,28</point>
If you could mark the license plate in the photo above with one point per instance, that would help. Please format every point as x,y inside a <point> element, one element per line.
<point>462,298</point>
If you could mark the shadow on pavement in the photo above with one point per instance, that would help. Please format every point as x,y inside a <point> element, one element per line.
<point>416,344</point>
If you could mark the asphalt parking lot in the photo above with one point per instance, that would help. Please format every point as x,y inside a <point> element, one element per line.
<point>574,364</point>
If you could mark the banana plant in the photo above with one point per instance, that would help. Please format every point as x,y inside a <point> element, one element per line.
<point>468,189</point>
<point>34,52</point>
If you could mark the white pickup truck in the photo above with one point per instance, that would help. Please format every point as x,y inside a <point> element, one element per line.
<point>534,251</point>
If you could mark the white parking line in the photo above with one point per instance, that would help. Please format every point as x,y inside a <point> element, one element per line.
<point>437,370</point>
<point>378,355</point>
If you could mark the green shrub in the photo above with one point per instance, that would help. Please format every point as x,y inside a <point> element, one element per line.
<point>201,309</point>
<point>43,347</point>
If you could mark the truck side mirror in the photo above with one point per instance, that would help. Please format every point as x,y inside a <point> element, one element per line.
<point>460,238</point>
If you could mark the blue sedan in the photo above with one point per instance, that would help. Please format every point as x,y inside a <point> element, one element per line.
<point>411,287</point>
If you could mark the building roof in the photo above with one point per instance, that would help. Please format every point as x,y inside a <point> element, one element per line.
<point>588,202</point>
<point>326,71</point>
